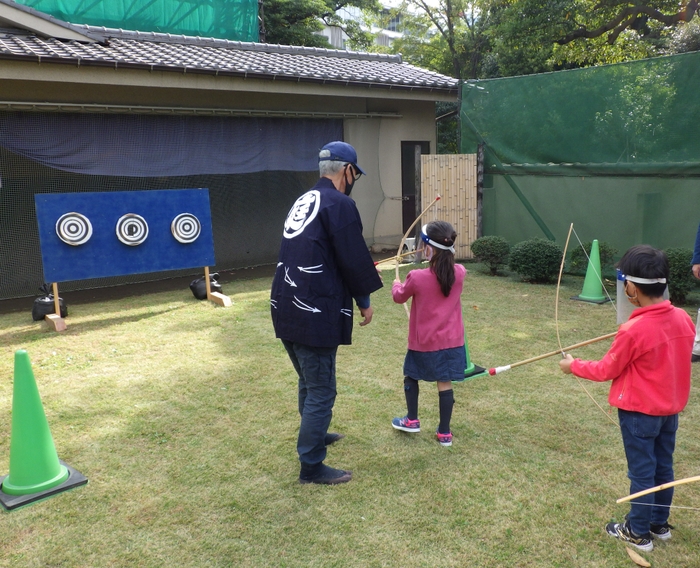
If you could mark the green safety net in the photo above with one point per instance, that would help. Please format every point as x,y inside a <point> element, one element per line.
<point>625,119</point>
<point>613,149</point>
<point>224,19</point>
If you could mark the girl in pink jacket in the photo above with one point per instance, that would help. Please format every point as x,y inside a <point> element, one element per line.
<point>436,350</point>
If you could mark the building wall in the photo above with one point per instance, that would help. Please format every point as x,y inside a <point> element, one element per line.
<point>378,144</point>
<point>377,140</point>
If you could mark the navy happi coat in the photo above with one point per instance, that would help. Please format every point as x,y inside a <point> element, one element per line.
<point>323,264</point>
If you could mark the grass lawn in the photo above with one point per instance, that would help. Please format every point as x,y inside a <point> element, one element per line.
<point>182,415</point>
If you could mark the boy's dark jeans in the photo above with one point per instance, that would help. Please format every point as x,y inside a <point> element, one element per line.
<point>649,443</point>
<point>316,369</point>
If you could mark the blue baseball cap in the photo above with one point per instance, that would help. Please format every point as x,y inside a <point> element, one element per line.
<point>339,152</point>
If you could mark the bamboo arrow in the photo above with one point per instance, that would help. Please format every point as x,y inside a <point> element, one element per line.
<point>659,488</point>
<point>398,256</point>
<point>496,370</point>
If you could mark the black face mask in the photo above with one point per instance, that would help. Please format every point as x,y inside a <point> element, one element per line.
<point>349,185</point>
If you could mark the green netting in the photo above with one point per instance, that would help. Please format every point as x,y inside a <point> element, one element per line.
<point>638,118</point>
<point>613,149</point>
<point>224,19</point>
<point>621,211</point>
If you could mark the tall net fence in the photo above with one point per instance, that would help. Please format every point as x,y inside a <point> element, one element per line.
<point>613,149</point>
<point>250,190</point>
<point>224,19</point>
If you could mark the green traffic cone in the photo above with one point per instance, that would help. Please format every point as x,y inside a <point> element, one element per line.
<point>34,464</point>
<point>471,370</point>
<point>592,284</point>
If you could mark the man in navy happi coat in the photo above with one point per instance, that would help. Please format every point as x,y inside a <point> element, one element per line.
<point>324,265</point>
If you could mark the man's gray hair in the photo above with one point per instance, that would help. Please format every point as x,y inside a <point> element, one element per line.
<point>328,167</point>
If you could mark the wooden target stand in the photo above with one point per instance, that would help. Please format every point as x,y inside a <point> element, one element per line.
<point>57,323</point>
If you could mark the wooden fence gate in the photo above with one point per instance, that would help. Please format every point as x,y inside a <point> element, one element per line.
<point>453,177</point>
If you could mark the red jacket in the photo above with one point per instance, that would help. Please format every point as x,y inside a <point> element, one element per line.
<point>648,362</point>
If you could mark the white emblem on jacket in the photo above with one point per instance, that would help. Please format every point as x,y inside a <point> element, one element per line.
<point>302,213</point>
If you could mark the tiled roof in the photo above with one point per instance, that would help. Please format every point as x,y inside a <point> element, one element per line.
<point>185,54</point>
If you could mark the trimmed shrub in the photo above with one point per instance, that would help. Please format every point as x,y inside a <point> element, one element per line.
<point>578,260</point>
<point>681,279</point>
<point>492,251</point>
<point>536,260</point>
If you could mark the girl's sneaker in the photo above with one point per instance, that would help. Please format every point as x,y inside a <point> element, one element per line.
<point>444,439</point>
<point>405,424</point>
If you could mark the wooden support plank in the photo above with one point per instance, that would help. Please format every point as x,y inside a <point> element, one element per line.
<point>56,322</point>
<point>216,297</point>
<point>220,299</point>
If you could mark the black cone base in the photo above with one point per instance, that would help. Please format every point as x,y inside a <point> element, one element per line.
<point>75,479</point>
<point>475,371</point>
<point>590,301</point>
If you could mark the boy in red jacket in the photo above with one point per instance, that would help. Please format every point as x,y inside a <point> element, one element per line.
<point>649,365</point>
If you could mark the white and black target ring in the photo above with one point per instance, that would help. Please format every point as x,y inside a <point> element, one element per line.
<point>132,229</point>
<point>74,229</point>
<point>186,228</point>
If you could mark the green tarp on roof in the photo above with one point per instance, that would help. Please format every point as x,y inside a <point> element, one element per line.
<point>224,19</point>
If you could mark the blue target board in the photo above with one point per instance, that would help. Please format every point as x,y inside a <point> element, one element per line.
<point>101,234</point>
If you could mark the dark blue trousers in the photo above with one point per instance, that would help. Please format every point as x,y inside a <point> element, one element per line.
<point>649,444</point>
<point>316,396</point>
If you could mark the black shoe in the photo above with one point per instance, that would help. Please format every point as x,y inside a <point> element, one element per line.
<point>623,532</point>
<point>324,475</point>
<point>694,358</point>
<point>662,532</point>
<point>332,438</point>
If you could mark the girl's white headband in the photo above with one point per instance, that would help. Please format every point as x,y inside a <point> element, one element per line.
<point>426,239</point>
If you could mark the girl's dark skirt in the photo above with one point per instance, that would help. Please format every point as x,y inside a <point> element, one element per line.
<point>442,365</point>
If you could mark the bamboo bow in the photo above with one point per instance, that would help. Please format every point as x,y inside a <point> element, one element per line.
<point>403,242</point>
<point>556,324</point>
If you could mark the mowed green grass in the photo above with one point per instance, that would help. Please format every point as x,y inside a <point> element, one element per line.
<point>183,417</point>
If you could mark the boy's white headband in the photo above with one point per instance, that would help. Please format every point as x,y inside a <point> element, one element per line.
<point>637,280</point>
<point>426,239</point>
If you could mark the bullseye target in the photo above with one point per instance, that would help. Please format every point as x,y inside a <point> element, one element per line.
<point>74,229</point>
<point>186,228</point>
<point>132,229</point>
<point>128,232</point>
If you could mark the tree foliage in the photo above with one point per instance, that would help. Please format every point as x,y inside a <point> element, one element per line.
<point>471,39</point>
<point>297,22</point>
<point>612,17</point>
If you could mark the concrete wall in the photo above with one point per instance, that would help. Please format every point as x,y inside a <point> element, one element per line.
<point>378,145</point>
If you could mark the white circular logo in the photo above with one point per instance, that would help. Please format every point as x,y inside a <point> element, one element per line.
<point>132,229</point>
<point>302,213</point>
<point>74,229</point>
<point>185,228</point>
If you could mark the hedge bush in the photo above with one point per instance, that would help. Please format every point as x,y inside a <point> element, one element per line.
<point>492,251</point>
<point>536,260</point>
<point>681,279</point>
<point>578,260</point>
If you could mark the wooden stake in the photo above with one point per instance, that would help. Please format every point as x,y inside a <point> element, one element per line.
<point>55,320</point>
